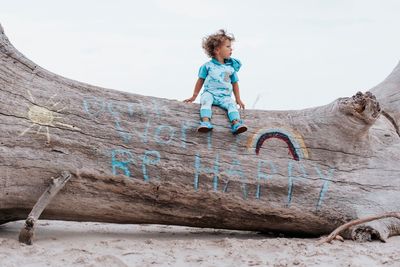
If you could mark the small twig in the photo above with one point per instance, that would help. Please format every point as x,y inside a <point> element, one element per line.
<point>255,101</point>
<point>26,234</point>
<point>345,226</point>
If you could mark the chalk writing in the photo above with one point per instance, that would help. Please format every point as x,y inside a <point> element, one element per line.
<point>120,160</point>
<point>292,177</point>
<point>149,158</point>
<point>263,175</point>
<point>94,107</point>
<point>254,182</point>
<point>116,115</point>
<point>325,185</point>
<point>164,136</point>
<point>236,170</point>
<point>200,169</point>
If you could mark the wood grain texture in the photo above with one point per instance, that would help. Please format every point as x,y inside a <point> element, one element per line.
<point>139,159</point>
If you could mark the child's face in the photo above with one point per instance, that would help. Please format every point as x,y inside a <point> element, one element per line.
<point>225,50</point>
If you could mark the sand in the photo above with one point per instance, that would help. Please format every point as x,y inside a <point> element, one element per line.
<point>60,243</point>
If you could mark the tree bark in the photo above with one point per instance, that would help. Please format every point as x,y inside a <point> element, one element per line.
<point>139,159</point>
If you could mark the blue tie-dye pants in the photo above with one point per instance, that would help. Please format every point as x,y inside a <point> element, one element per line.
<point>226,102</point>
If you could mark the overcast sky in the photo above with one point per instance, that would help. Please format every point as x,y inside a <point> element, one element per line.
<point>295,54</point>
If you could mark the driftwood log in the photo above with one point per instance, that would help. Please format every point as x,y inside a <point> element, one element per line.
<point>139,159</point>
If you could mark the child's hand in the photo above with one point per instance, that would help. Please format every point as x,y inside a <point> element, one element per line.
<point>190,100</point>
<point>240,103</point>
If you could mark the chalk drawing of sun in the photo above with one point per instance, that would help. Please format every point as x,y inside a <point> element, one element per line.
<point>44,117</point>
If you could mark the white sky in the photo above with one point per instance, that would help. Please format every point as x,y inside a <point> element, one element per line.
<point>295,54</point>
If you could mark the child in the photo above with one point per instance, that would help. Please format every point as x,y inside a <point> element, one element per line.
<point>219,77</point>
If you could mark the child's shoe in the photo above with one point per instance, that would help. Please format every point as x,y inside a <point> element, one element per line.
<point>205,126</point>
<point>238,128</point>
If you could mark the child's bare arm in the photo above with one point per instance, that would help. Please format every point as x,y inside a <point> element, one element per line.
<point>237,95</point>
<point>197,89</point>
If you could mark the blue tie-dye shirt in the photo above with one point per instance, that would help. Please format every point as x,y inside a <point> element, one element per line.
<point>219,77</point>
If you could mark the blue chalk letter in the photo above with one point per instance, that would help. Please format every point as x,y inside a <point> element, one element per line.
<point>147,160</point>
<point>262,175</point>
<point>120,159</point>
<point>199,169</point>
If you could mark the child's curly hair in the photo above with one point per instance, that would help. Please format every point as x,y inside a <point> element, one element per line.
<point>211,42</point>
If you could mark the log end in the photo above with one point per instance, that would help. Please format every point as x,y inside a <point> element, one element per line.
<point>366,233</point>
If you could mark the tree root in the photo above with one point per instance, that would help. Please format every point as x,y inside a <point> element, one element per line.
<point>359,234</point>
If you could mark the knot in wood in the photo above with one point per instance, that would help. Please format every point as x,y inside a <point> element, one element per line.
<point>363,106</point>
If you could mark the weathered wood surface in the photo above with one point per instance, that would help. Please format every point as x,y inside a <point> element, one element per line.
<point>138,159</point>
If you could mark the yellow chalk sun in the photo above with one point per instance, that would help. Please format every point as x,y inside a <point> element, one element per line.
<point>43,117</point>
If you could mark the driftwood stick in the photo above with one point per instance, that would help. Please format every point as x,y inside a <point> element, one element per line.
<point>337,231</point>
<point>27,232</point>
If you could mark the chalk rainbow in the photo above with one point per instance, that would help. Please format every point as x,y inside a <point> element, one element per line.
<point>294,141</point>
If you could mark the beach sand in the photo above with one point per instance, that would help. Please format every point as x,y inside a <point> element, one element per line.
<point>60,243</point>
